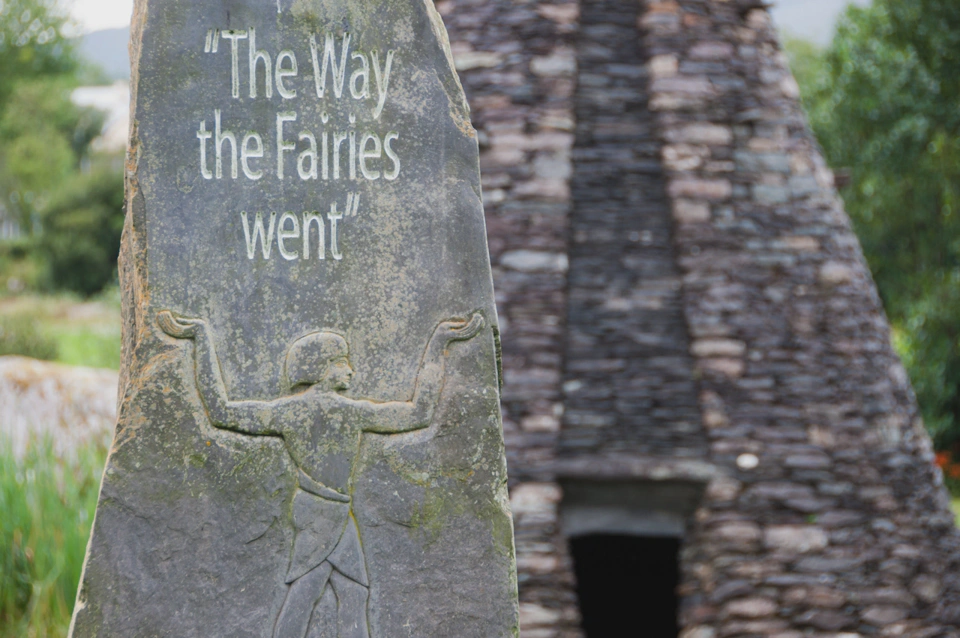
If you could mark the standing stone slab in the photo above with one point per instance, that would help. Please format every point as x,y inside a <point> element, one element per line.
<point>309,440</point>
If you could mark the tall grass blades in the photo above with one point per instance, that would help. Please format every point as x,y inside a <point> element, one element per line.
<point>46,509</point>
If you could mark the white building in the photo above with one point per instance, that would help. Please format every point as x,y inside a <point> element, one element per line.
<point>114,100</point>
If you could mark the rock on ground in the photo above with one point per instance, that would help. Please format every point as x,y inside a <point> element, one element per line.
<point>71,405</point>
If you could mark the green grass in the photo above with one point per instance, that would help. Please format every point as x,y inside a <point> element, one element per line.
<point>955,506</point>
<point>64,328</point>
<point>47,507</point>
<point>88,346</point>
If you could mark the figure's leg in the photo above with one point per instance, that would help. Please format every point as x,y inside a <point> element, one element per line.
<point>323,622</point>
<point>351,606</point>
<point>301,598</point>
<point>347,556</point>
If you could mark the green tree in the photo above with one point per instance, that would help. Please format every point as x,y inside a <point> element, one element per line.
<point>73,218</point>
<point>32,43</point>
<point>43,138</point>
<point>38,124</point>
<point>884,101</point>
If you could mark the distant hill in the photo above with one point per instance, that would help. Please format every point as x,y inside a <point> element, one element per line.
<point>108,49</point>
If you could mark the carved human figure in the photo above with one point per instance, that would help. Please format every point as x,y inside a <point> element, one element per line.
<point>322,429</point>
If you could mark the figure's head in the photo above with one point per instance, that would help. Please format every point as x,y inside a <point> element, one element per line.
<point>319,358</point>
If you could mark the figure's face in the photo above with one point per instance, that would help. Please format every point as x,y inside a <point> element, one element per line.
<point>339,374</point>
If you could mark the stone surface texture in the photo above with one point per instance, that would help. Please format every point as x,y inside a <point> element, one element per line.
<point>380,514</point>
<point>683,298</point>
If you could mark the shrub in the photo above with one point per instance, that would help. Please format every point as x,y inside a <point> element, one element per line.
<point>20,335</point>
<point>81,233</point>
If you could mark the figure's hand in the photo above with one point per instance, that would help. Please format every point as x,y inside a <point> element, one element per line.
<point>179,327</point>
<point>460,330</point>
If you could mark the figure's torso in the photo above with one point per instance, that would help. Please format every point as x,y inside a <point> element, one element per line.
<point>323,437</point>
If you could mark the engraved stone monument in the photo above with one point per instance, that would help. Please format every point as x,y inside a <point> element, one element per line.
<point>309,440</point>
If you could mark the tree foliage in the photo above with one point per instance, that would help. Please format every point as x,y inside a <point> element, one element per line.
<point>72,217</point>
<point>81,232</point>
<point>884,100</point>
<point>32,43</point>
<point>43,139</point>
<point>43,136</point>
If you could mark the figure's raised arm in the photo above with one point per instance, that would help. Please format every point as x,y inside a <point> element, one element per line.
<point>404,416</point>
<point>247,417</point>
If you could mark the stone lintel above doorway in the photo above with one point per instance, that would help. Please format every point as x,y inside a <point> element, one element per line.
<point>633,506</point>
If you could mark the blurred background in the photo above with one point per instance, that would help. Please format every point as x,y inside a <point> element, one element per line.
<point>884,103</point>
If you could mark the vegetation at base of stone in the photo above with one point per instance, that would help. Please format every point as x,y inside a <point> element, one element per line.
<point>65,198</point>
<point>48,506</point>
<point>884,101</point>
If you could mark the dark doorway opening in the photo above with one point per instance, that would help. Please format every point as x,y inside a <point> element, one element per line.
<point>627,585</point>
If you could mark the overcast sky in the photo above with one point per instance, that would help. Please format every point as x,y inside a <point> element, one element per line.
<point>93,15</point>
<point>810,19</point>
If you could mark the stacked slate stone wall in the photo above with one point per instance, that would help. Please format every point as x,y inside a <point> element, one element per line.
<point>517,66</point>
<point>627,382</point>
<point>842,525</point>
<point>679,287</point>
